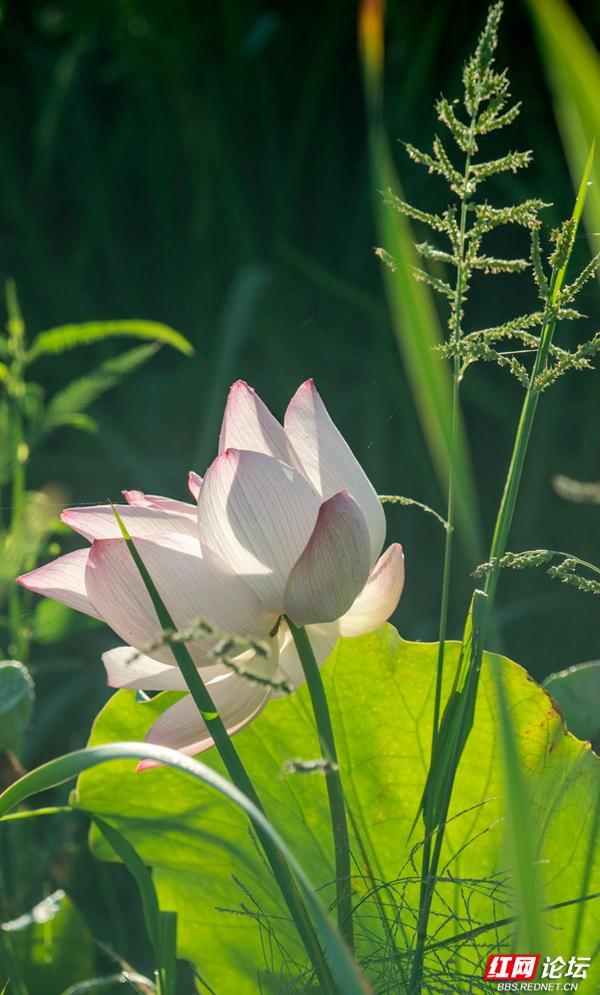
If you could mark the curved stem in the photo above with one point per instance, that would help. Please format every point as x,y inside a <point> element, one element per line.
<point>335,791</point>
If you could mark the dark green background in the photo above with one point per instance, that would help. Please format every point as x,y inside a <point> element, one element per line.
<point>205,164</point>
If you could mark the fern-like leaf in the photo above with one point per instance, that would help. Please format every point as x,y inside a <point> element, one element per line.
<point>58,340</point>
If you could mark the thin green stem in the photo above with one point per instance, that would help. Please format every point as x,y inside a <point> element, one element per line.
<point>428,869</point>
<point>239,776</point>
<point>335,790</point>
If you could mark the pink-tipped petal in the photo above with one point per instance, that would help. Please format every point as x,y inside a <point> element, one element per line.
<point>334,565</point>
<point>322,639</point>
<point>328,461</point>
<point>257,514</point>
<point>193,587</point>
<point>248,424</point>
<point>100,523</point>
<point>63,580</point>
<point>379,597</point>
<point>194,484</point>
<point>237,700</point>
<point>140,500</point>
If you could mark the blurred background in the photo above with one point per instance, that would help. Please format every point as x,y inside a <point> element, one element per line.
<point>207,166</point>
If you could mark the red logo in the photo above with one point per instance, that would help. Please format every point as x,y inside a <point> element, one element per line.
<point>511,967</point>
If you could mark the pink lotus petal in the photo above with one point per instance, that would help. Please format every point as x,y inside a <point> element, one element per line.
<point>63,580</point>
<point>248,424</point>
<point>194,484</point>
<point>181,726</point>
<point>140,500</point>
<point>379,597</point>
<point>99,522</point>
<point>126,668</point>
<point>328,461</point>
<point>334,565</point>
<point>193,587</point>
<point>257,514</point>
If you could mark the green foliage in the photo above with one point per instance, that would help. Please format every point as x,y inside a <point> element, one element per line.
<point>16,702</point>
<point>567,570</point>
<point>49,949</point>
<point>416,324</point>
<point>212,874</point>
<point>26,419</point>
<point>577,691</point>
<point>58,340</point>
<point>572,66</point>
<point>344,971</point>
<point>486,93</point>
<point>160,926</point>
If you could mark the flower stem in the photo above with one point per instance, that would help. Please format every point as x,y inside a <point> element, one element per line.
<point>238,774</point>
<point>335,791</point>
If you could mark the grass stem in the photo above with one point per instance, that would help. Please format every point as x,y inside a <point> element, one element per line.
<point>335,791</point>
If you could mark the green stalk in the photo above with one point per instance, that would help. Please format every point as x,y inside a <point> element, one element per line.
<point>238,775</point>
<point>426,891</point>
<point>19,483</point>
<point>502,527</point>
<point>335,790</point>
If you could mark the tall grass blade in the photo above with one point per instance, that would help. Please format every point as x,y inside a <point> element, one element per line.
<point>414,316</point>
<point>138,870</point>
<point>521,832</point>
<point>572,64</point>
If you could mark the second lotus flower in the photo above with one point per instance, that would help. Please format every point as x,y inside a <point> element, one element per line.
<point>286,523</point>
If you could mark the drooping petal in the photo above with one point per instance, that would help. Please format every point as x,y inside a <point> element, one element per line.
<point>257,514</point>
<point>328,461</point>
<point>194,484</point>
<point>322,639</point>
<point>379,597</point>
<point>140,500</point>
<point>334,565</point>
<point>63,580</point>
<point>99,522</point>
<point>193,587</point>
<point>126,668</point>
<point>248,424</point>
<point>181,727</point>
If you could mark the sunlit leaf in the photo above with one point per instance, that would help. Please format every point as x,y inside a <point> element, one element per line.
<point>381,696</point>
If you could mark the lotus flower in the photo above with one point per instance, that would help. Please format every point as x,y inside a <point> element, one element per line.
<point>285,523</point>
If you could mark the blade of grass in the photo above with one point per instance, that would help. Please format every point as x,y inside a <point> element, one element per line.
<point>530,933</point>
<point>140,873</point>
<point>65,768</point>
<point>414,316</point>
<point>572,64</point>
